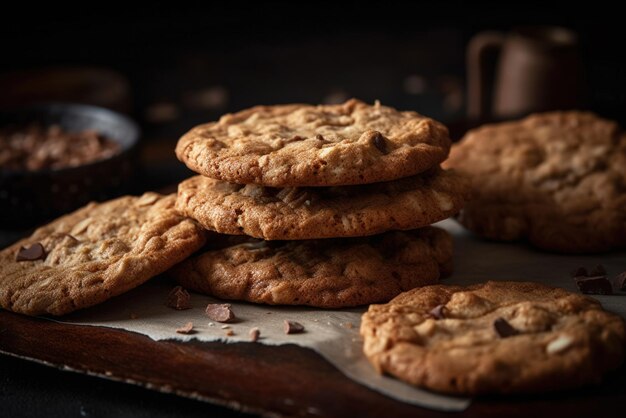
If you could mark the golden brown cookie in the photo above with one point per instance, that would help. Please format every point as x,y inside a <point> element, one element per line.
<point>496,337</point>
<point>557,179</point>
<point>330,273</point>
<point>325,145</point>
<point>329,212</point>
<point>95,253</point>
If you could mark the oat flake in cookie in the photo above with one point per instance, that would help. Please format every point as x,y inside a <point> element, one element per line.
<point>496,337</point>
<point>322,212</point>
<point>95,253</point>
<point>305,145</point>
<point>556,179</point>
<point>330,273</point>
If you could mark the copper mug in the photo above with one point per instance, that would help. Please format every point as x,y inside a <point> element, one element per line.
<point>531,69</point>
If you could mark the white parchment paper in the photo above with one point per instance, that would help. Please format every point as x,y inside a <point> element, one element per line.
<point>334,334</point>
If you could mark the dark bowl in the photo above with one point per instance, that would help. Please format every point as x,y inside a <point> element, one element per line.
<point>31,197</point>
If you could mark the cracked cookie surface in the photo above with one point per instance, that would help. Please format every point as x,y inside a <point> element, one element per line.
<point>305,145</point>
<point>95,253</point>
<point>329,273</point>
<point>496,337</point>
<point>556,179</point>
<point>311,212</point>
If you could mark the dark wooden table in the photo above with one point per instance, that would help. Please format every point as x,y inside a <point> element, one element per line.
<point>283,381</point>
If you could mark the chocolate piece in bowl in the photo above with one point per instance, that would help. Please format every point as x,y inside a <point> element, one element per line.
<point>34,147</point>
<point>594,282</point>
<point>57,157</point>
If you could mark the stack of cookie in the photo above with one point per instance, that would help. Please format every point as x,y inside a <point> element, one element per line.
<point>338,197</point>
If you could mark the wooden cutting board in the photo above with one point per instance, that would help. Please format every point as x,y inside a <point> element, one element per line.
<point>280,380</point>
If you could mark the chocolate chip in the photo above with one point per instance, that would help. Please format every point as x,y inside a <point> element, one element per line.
<point>186,329</point>
<point>437,312</point>
<point>220,312</point>
<point>319,137</point>
<point>598,285</point>
<point>599,270</point>
<point>379,142</point>
<point>32,253</point>
<point>254,334</point>
<point>293,327</point>
<point>579,272</point>
<point>620,282</point>
<point>178,299</point>
<point>504,329</point>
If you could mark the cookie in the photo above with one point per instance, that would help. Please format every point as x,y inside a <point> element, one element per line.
<point>95,253</point>
<point>330,273</point>
<point>328,212</point>
<point>496,337</point>
<point>304,145</point>
<point>555,179</point>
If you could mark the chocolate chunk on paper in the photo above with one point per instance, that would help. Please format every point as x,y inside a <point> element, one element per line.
<point>220,312</point>
<point>293,327</point>
<point>254,334</point>
<point>186,329</point>
<point>178,299</point>
<point>598,285</point>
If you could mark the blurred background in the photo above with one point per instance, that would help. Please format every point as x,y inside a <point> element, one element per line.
<point>172,68</point>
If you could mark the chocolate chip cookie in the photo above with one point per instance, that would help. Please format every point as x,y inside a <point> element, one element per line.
<point>330,212</point>
<point>325,145</point>
<point>556,179</point>
<point>496,337</point>
<point>330,273</point>
<point>95,253</point>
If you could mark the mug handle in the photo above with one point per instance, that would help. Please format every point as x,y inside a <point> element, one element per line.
<point>482,51</point>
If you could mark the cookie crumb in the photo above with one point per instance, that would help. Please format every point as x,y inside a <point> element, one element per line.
<point>220,312</point>
<point>293,327</point>
<point>254,333</point>
<point>225,327</point>
<point>178,299</point>
<point>348,325</point>
<point>186,329</point>
<point>230,332</point>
